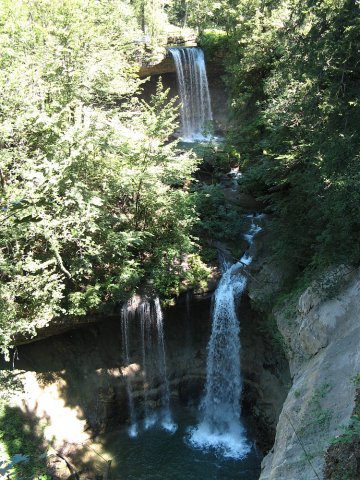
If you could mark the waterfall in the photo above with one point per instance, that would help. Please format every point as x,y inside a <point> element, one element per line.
<point>153,359</point>
<point>127,311</point>
<point>166,419</point>
<point>220,425</point>
<point>145,328</point>
<point>196,115</point>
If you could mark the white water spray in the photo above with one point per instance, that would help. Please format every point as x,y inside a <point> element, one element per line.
<point>196,114</point>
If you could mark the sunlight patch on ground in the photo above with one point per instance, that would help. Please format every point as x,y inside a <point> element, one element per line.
<point>61,424</point>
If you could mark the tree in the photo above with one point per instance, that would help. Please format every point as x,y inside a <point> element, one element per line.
<point>93,195</point>
<point>294,70</point>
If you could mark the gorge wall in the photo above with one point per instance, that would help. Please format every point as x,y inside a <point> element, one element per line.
<point>75,382</point>
<point>321,334</point>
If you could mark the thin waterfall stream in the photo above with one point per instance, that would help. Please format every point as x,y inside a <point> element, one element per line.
<point>149,316</point>
<point>145,329</point>
<point>126,315</point>
<point>165,414</point>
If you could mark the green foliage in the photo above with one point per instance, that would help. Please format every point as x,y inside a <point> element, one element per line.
<point>317,418</point>
<point>217,159</point>
<point>297,394</point>
<point>351,433</point>
<point>215,44</point>
<point>219,220</point>
<point>10,384</point>
<point>94,199</point>
<point>293,70</point>
<point>20,433</point>
<point>269,329</point>
<point>152,17</point>
<point>204,14</point>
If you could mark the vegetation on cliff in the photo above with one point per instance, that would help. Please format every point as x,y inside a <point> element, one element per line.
<point>94,199</point>
<point>293,69</point>
<point>95,196</point>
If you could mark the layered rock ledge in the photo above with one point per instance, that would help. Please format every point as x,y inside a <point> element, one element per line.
<point>322,338</point>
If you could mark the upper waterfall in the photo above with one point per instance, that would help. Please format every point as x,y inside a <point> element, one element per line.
<point>196,114</point>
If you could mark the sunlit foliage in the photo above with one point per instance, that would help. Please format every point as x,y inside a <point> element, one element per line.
<point>94,201</point>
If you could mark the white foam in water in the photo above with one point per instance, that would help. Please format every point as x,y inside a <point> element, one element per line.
<point>252,232</point>
<point>150,421</point>
<point>231,444</point>
<point>163,420</point>
<point>246,259</point>
<point>169,426</point>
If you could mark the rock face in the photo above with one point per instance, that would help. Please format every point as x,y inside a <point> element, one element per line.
<point>322,340</point>
<point>87,365</point>
<point>166,65</point>
<point>266,376</point>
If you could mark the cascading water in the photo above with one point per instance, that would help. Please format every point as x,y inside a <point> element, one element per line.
<point>145,326</point>
<point>220,427</point>
<point>127,311</point>
<point>196,114</point>
<point>152,352</point>
<point>166,419</point>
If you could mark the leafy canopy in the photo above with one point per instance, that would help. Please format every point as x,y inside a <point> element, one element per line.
<point>94,201</point>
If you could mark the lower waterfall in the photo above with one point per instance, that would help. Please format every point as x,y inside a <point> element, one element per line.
<point>220,427</point>
<point>126,315</point>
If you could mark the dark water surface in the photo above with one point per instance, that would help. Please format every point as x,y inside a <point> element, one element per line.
<point>158,455</point>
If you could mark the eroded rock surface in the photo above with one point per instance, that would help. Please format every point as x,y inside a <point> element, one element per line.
<point>322,340</point>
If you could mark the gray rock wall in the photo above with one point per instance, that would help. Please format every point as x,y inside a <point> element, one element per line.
<point>323,346</point>
<point>89,363</point>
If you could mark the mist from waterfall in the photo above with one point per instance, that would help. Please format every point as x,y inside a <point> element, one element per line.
<point>220,426</point>
<point>196,114</point>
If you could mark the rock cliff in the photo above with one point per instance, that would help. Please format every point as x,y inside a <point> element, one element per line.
<point>321,334</point>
